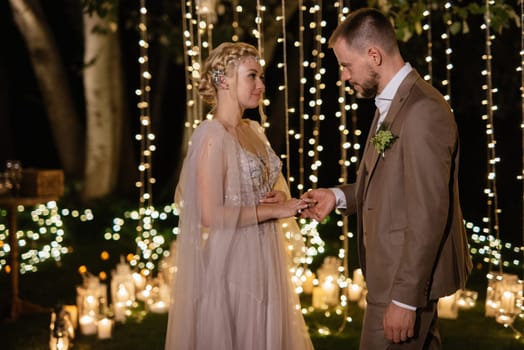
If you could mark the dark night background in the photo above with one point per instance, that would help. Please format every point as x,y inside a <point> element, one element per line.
<point>25,132</point>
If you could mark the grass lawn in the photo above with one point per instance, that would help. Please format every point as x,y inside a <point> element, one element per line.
<point>55,283</point>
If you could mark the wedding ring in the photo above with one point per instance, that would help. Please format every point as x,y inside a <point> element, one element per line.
<point>299,211</point>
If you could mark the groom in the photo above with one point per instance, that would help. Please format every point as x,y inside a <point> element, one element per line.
<point>412,243</point>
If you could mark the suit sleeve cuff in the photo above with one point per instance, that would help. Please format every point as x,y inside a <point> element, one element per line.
<point>404,306</point>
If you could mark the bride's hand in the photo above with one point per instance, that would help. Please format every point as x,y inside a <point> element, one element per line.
<point>293,207</point>
<point>274,197</point>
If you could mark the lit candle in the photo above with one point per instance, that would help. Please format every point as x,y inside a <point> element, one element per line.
<point>119,309</point>
<point>318,298</point>
<point>73,314</point>
<point>145,293</point>
<point>447,307</point>
<point>104,327</point>
<point>467,299</point>
<point>307,285</point>
<point>330,291</point>
<point>358,277</point>
<point>354,292</point>
<point>159,307</point>
<point>87,325</point>
<point>140,281</point>
<point>122,293</point>
<point>90,304</point>
<point>492,307</point>
<point>508,302</point>
<point>362,303</point>
<point>504,319</point>
<point>61,343</point>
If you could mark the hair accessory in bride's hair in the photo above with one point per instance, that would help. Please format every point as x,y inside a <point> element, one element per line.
<point>218,77</point>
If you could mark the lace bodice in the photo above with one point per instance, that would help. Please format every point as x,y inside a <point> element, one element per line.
<point>262,177</point>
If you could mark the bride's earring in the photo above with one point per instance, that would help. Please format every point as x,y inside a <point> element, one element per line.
<point>219,79</point>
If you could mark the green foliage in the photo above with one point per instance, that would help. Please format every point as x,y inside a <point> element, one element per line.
<point>409,19</point>
<point>103,8</point>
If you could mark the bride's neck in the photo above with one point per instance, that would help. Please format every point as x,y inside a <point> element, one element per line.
<point>229,117</point>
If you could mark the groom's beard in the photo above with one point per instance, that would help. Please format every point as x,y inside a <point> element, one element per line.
<point>369,88</point>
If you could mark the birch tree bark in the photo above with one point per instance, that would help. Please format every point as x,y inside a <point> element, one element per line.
<point>103,88</point>
<point>53,83</point>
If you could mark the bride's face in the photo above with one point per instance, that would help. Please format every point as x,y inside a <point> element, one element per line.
<point>250,83</point>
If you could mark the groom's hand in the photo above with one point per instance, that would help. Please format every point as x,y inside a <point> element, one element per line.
<point>321,202</point>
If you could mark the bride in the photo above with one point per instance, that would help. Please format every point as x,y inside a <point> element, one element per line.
<point>232,289</point>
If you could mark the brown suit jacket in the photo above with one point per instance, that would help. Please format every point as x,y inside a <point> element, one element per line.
<point>411,237</point>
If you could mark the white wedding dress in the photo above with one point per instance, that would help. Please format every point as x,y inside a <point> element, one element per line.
<point>232,289</point>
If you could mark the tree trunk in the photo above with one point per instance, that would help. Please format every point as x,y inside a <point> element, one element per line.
<point>53,83</point>
<point>104,106</point>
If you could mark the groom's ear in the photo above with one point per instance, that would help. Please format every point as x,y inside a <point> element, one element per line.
<point>375,55</point>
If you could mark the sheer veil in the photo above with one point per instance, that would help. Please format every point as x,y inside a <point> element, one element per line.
<point>232,288</point>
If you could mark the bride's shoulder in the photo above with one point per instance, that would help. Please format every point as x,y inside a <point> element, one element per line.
<point>208,126</point>
<point>208,130</point>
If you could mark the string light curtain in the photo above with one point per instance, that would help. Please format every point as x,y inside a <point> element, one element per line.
<point>448,21</point>
<point>284,88</point>
<point>310,82</point>
<point>237,10</point>
<point>197,33</point>
<point>491,220</point>
<point>521,68</point>
<point>147,242</point>
<point>429,33</point>
<point>341,114</point>
<point>316,100</point>
<point>302,81</point>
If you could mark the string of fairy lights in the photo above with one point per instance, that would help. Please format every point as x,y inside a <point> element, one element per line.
<point>521,69</point>
<point>446,38</point>
<point>41,236</point>
<point>301,96</point>
<point>284,87</point>
<point>149,242</point>
<point>345,95</point>
<point>491,220</point>
<point>429,42</point>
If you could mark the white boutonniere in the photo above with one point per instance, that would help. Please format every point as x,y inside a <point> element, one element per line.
<point>383,139</point>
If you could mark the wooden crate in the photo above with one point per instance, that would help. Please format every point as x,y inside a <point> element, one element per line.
<point>42,182</point>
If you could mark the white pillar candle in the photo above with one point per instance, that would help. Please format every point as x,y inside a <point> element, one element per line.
<point>508,302</point>
<point>354,292</point>
<point>308,283</point>
<point>318,298</point>
<point>447,307</point>
<point>145,293</point>
<point>61,343</point>
<point>104,328</point>
<point>331,291</point>
<point>119,309</point>
<point>140,281</point>
<point>122,293</point>
<point>87,325</point>
<point>73,314</point>
<point>358,277</point>
<point>159,307</point>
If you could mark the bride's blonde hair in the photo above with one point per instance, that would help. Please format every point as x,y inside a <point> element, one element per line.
<point>221,61</point>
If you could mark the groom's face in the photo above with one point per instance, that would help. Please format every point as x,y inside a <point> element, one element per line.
<point>357,69</point>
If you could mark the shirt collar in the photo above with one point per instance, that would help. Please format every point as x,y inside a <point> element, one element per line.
<point>383,100</point>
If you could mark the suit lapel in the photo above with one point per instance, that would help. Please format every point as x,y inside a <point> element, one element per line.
<point>371,156</point>
<point>401,96</point>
